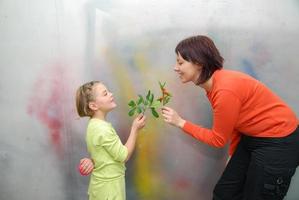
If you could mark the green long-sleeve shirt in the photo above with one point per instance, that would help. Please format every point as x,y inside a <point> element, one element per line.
<point>108,154</point>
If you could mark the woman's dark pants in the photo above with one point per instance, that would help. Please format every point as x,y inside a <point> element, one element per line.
<point>260,169</point>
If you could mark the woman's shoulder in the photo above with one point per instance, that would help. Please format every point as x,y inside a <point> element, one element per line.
<point>231,79</point>
<point>233,73</point>
<point>235,82</point>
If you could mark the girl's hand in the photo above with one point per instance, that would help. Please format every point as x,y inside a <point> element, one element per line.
<point>86,166</point>
<point>139,122</point>
<point>172,117</point>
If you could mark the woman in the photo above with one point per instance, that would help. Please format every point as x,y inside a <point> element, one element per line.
<point>262,129</point>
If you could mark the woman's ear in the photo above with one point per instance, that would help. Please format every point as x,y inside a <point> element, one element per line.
<point>200,66</point>
<point>92,106</point>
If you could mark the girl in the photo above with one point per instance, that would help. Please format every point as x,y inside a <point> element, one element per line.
<point>107,180</point>
<point>263,130</point>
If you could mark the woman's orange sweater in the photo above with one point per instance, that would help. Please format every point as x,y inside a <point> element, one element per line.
<point>242,105</point>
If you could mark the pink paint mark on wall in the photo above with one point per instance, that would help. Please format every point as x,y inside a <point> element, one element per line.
<point>47,103</point>
<point>182,183</point>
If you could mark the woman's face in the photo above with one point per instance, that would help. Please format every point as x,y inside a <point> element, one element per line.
<point>187,71</point>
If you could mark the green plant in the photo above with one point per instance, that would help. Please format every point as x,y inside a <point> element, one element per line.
<point>165,98</point>
<point>142,104</point>
<point>148,102</point>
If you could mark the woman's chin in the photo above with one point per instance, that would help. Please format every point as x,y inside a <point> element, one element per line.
<point>184,80</point>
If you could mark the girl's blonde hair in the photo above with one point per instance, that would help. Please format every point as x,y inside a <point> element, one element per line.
<point>84,95</point>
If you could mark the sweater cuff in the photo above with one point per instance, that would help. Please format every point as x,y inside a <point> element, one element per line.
<point>184,126</point>
<point>188,126</point>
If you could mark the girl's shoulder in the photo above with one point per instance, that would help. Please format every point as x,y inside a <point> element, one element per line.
<point>99,125</point>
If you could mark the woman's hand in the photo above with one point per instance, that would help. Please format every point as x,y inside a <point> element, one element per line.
<point>85,166</point>
<point>172,117</point>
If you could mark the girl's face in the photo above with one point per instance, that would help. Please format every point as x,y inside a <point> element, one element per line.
<point>187,71</point>
<point>103,99</point>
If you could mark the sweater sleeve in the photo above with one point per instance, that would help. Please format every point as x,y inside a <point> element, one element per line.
<point>112,143</point>
<point>226,107</point>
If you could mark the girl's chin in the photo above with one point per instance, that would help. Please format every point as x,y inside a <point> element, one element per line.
<point>114,105</point>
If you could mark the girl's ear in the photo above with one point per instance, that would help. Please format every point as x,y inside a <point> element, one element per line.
<point>92,106</point>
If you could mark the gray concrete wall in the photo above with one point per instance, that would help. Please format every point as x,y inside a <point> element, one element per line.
<point>49,48</point>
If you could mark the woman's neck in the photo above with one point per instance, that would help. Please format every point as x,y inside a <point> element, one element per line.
<point>208,84</point>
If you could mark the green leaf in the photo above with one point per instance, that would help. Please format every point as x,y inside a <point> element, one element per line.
<point>162,85</point>
<point>156,104</point>
<point>145,102</point>
<point>151,98</point>
<point>167,99</point>
<point>132,103</point>
<point>148,95</point>
<point>141,97</point>
<point>132,112</point>
<point>139,110</point>
<point>140,100</point>
<point>154,112</point>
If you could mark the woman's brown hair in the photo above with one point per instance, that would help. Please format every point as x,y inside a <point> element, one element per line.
<point>84,95</point>
<point>201,50</point>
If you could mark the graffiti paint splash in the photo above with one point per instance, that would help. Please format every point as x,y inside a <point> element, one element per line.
<point>47,104</point>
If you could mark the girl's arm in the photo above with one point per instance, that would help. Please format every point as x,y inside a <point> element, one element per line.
<point>138,124</point>
<point>106,137</point>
